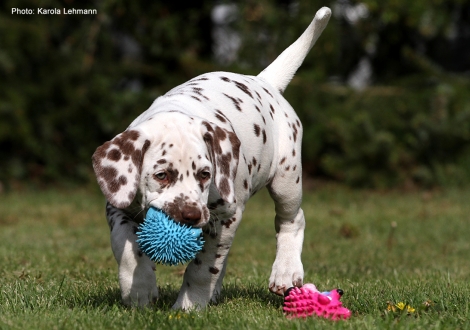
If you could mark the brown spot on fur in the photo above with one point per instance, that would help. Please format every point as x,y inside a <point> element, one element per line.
<point>223,162</point>
<point>126,146</point>
<point>224,187</point>
<point>214,270</point>
<point>272,109</point>
<point>257,129</point>
<point>243,88</point>
<point>236,102</point>
<point>267,92</point>
<point>223,118</point>
<point>220,134</point>
<point>109,175</point>
<point>235,142</point>
<point>114,155</point>
<point>133,135</point>
<point>227,223</point>
<point>295,132</point>
<point>219,117</point>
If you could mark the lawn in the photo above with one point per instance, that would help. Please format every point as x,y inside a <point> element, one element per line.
<point>57,270</point>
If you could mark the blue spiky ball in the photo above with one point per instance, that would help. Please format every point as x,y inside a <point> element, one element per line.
<point>167,242</point>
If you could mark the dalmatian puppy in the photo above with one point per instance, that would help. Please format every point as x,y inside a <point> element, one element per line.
<point>199,153</point>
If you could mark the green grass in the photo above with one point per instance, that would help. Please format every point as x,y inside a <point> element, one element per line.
<point>57,270</point>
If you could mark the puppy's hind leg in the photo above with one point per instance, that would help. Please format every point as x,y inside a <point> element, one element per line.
<point>287,271</point>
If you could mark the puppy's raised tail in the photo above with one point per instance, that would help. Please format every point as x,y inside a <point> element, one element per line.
<point>280,72</point>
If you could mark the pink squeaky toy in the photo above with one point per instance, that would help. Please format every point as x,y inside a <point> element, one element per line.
<point>307,300</point>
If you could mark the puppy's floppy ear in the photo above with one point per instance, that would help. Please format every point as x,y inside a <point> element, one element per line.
<point>118,163</point>
<point>224,149</point>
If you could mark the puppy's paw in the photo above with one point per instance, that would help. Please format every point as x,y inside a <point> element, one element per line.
<point>187,304</point>
<point>140,297</point>
<point>140,288</point>
<point>285,274</point>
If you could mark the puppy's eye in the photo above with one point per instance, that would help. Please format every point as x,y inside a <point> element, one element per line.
<point>204,175</point>
<point>160,176</point>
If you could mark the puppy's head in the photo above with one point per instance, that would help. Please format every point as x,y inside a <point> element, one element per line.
<point>173,162</point>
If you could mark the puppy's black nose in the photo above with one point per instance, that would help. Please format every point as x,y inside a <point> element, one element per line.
<point>340,292</point>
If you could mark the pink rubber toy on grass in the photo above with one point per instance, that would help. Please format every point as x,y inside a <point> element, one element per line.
<point>307,300</point>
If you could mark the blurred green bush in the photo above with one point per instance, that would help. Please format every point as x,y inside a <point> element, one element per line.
<point>70,82</point>
<point>416,132</point>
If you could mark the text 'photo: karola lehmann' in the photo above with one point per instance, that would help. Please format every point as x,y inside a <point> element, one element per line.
<point>53,11</point>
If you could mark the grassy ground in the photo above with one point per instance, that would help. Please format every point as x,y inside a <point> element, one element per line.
<point>57,270</point>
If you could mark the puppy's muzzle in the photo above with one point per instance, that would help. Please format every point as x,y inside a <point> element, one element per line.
<point>190,215</point>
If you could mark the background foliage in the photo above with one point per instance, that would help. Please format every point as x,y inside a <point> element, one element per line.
<point>70,82</point>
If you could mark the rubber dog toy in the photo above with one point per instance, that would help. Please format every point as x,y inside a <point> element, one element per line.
<point>307,300</point>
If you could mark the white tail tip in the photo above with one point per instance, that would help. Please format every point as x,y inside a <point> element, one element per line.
<point>282,70</point>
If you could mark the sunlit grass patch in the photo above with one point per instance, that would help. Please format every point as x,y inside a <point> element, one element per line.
<point>401,259</point>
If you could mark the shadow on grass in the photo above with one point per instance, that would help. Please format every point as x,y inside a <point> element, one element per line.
<point>251,292</point>
<point>111,297</point>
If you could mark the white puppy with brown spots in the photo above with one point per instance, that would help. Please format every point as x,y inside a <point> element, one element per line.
<point>199,153</point>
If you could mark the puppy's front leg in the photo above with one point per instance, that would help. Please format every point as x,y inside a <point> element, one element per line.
<point>136,271</point>
<point>202,282</point>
